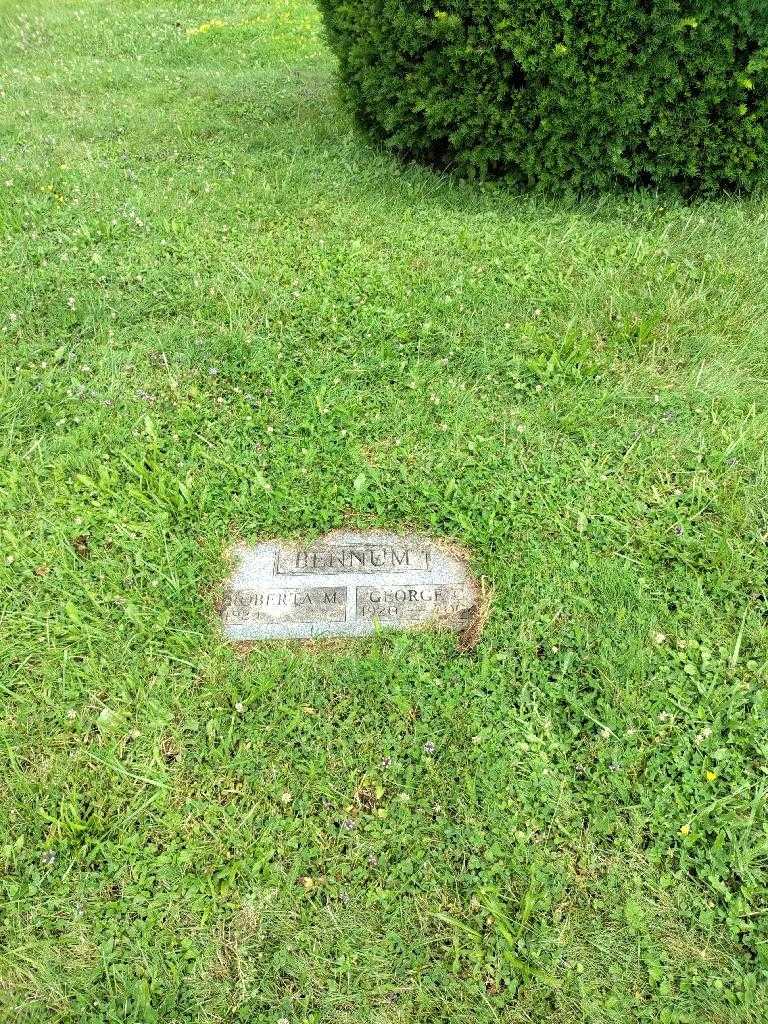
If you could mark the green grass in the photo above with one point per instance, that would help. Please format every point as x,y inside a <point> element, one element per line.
<point>219,308</point>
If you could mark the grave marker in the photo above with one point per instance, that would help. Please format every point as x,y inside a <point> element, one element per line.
<point>346,584</point>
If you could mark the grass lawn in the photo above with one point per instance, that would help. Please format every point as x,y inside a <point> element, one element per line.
<point>223,314</point>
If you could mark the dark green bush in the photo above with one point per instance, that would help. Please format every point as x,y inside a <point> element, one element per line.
<point>578,94</point>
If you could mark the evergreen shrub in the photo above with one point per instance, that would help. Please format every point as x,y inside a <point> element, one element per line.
<point>580,95</point>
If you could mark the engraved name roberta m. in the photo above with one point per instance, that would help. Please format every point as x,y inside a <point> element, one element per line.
<point>287,604</point>
<point>333,558</point>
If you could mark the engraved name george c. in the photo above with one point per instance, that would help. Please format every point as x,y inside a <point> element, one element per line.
<point>419,602</point>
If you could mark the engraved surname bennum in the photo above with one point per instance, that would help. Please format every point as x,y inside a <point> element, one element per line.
<point>332,558</point>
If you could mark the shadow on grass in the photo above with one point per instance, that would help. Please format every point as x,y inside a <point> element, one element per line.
<point>301,115</point>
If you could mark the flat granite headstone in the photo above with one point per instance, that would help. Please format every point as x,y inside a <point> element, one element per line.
<point>347,583</point>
